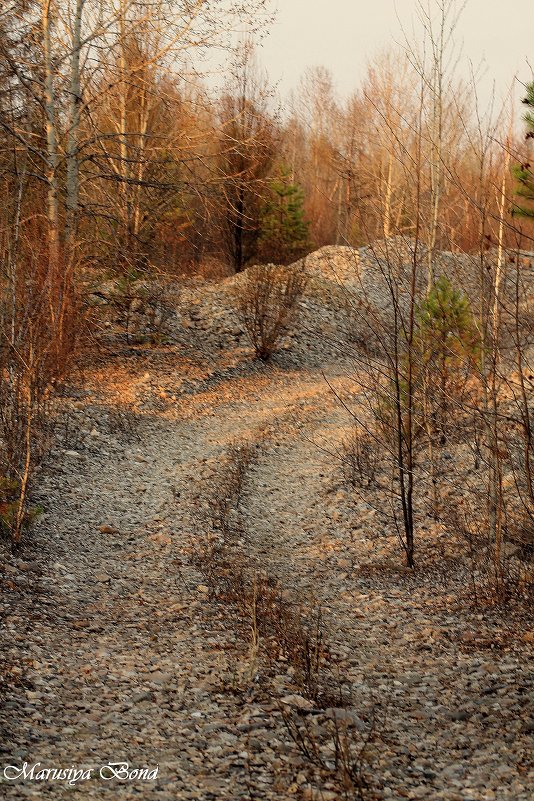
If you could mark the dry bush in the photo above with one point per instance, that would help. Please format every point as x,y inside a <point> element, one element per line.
<point>209,268</point>
<point>37,316</point>
<point>360,458</point>
<point>278,627</point>
<point>224,500</point>
<point>267,303</point>
<point>508,580</point>
<point>356,317</point>
<point>143,309</point>
<point>340,749</point>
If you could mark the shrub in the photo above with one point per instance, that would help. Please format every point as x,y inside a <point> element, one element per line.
<point>39,322</point>
<point>448,348</point>
<point>11,519</point>
<point>359,458</point>
<point>267,302</point>
<point>143,307</point>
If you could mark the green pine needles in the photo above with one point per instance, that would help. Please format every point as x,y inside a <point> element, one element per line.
<point>447,347</point>
<point>284,228</point>
<point>446,320</point>
<point>523,172</point>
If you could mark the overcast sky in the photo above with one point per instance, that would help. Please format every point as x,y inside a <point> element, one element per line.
<point>343,34</point>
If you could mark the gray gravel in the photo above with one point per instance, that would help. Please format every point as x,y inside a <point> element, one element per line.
<point>113,651</point>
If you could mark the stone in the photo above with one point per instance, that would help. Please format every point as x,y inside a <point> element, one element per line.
<point>346,717</point>
<point>297,701</point>
<point>107,529</point>
<point>460,715</point>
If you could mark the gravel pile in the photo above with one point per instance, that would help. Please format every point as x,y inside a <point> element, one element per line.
<point>349,294</point>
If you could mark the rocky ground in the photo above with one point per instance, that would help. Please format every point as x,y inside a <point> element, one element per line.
<point>114,649</point>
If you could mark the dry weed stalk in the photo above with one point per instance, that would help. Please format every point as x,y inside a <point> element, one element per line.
<point>339,750</point>
<point>278,626</point>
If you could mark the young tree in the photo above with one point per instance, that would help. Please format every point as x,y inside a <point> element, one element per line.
<point>284,229</point>
<point>523,172</point>
<point>448,347</point>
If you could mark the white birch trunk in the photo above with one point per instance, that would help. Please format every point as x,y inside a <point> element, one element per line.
<point>495,515</point>
<point>51,135</point>
<point>72,155</point>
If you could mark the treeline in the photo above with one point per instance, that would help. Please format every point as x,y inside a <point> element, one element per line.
<point>114,152</point>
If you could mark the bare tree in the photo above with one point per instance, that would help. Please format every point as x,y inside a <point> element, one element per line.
<point>247,147</point>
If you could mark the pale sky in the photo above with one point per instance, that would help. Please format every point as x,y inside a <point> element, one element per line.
<point>343,34</point>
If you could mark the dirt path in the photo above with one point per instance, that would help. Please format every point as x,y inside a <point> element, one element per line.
<point>124,659</point>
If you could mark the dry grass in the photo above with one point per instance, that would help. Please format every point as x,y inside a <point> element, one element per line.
<point>341,750</point>
<point>278,626</point>
<point>359,458</point>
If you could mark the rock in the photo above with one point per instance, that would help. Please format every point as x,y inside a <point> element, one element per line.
<point>30,567</point>
<point>106,529</point>
<point>140,697</point>
<point>460,715</point>
<point>419,792</point>
<point>345,716</point>
<point>297,701</point>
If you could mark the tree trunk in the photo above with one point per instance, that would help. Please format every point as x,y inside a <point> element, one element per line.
<point>72,155</point>
<point>495,477</point>
<point>51,138</point>
<point>123,133</point>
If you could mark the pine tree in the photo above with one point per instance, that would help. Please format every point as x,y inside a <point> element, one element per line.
<point>284,229</point>
<point>523,172</point>
<point>449,347</point>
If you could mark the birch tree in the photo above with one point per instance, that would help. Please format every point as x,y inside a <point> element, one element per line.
<point>434,62</point>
